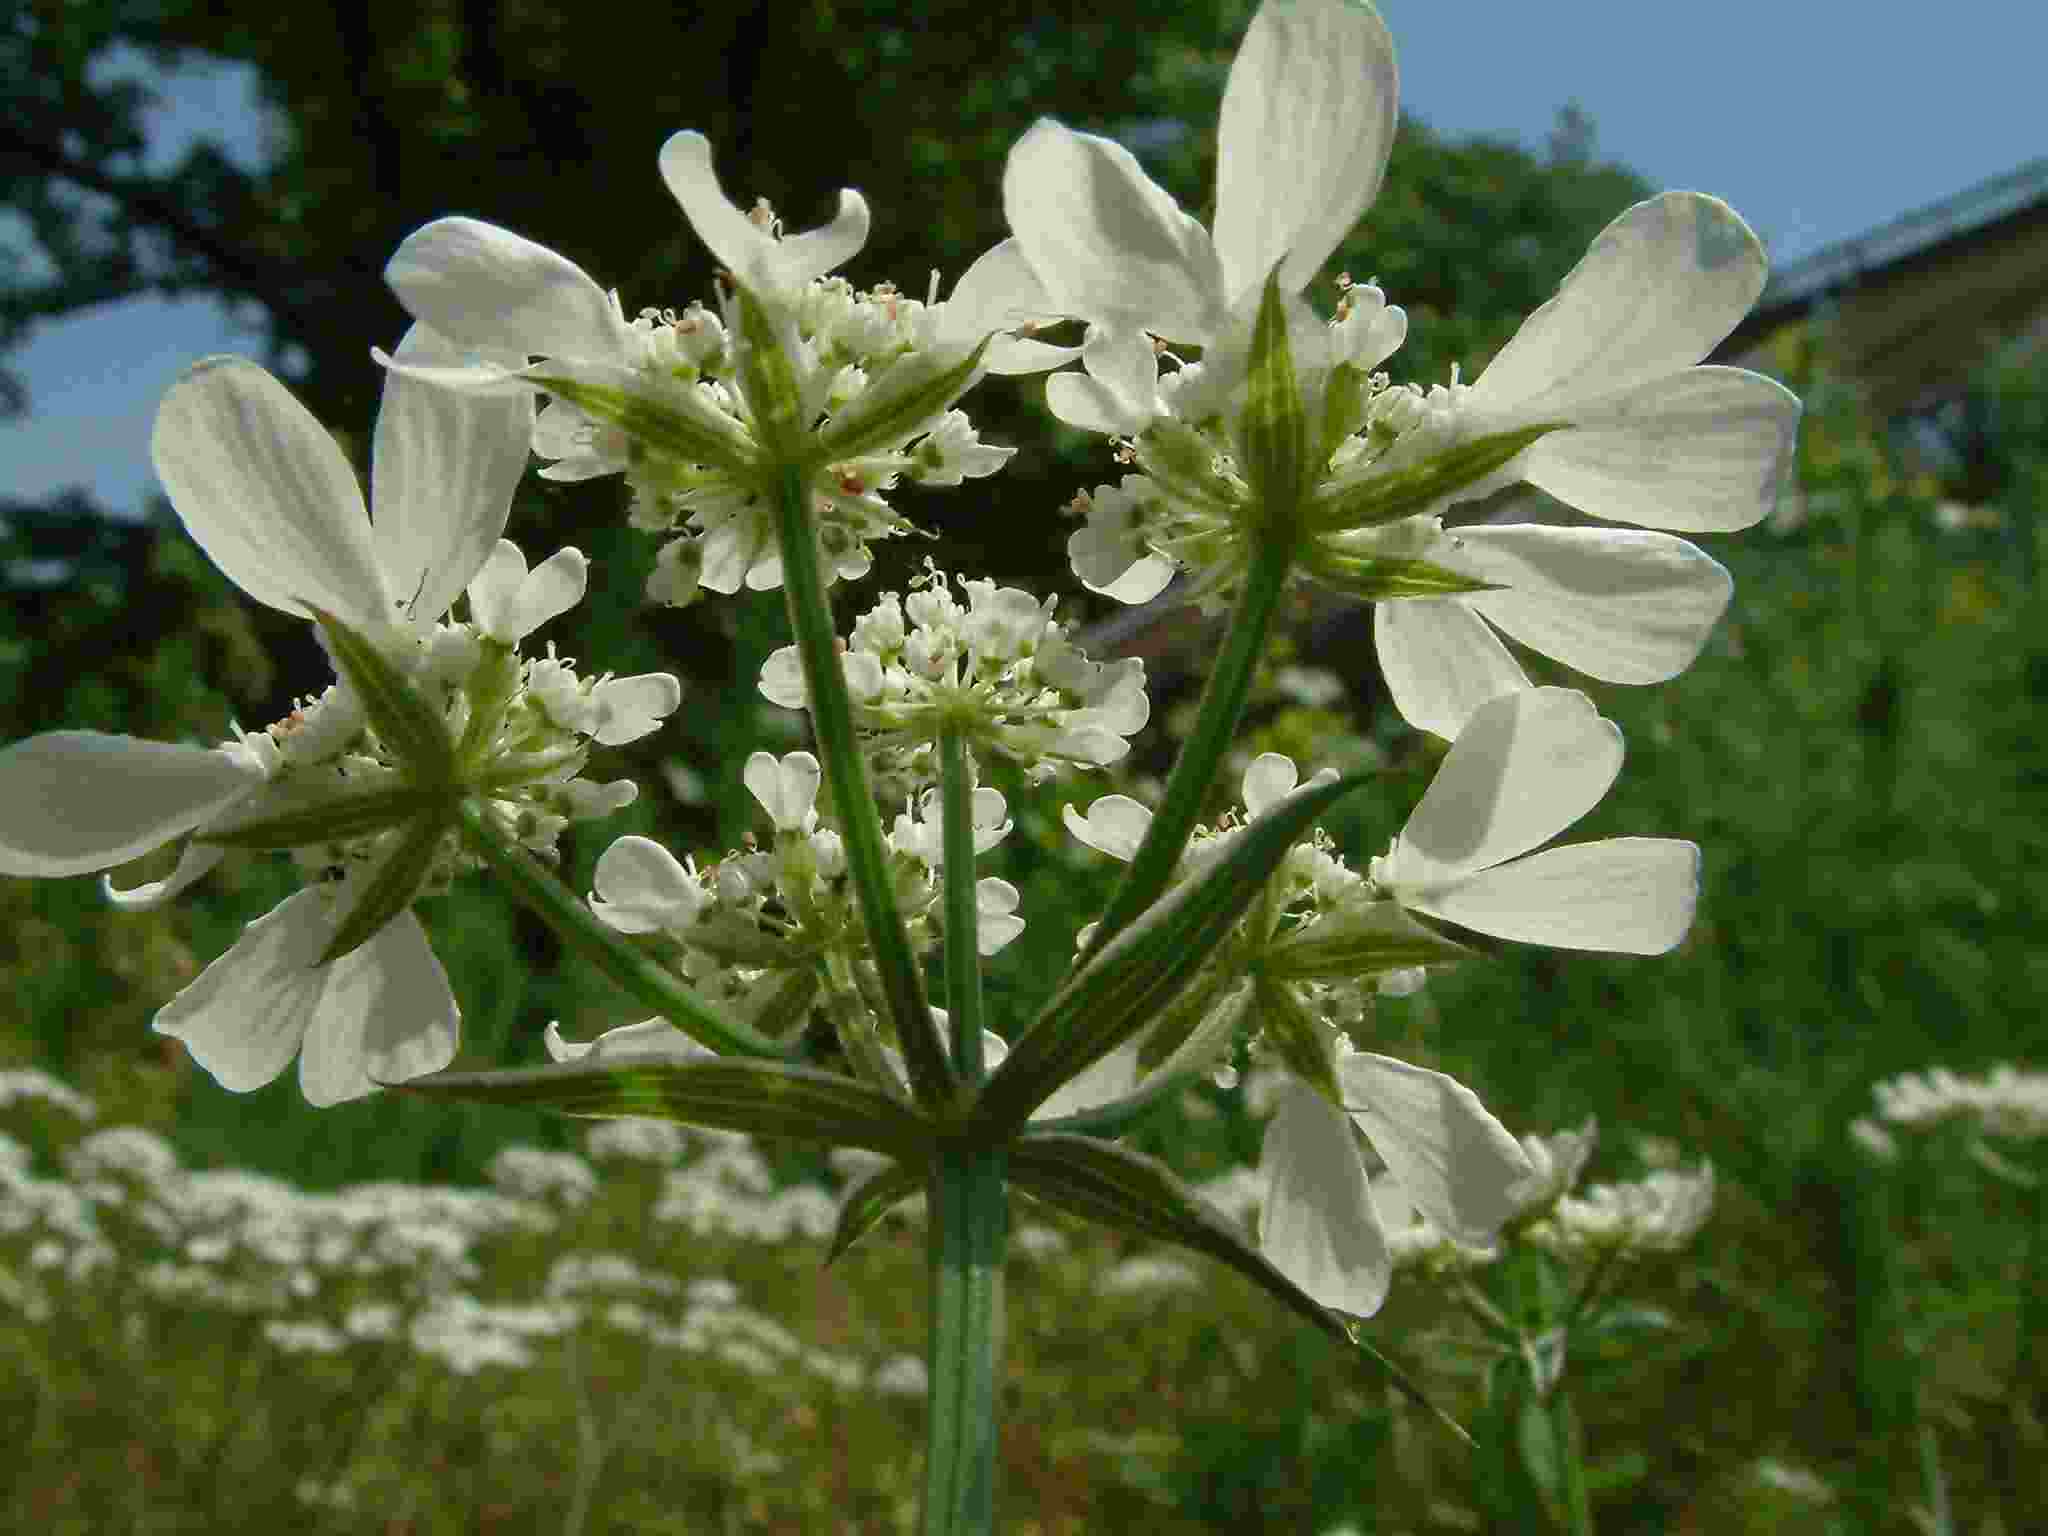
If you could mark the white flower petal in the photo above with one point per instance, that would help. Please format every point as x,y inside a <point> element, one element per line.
<point>1658,290</point>
<point>628,708</point>
<point>73,802</point>
<point>442,474</point>
<point>1269,779</point>
<point>1440,661</point>
<point>1624,895</point>
<point>1111,1077</point>
<point>1086,403</point>
<point>1455,1162</point>
<point>386,1014</point>
<point>1526,766</point>
<point>1110,245</point>
<point>786,789</point>
<point>383,1011</point>
<point>999,292</point>
<point>640,887</point>
<point>194,861</point>
<point>265,492</point>
<point>763,263</point>
<point>995,903</point>
<point>1115,825</point>
<point>487,288</point>
<point>1308,120</point>
<point>1619,605</point>
<point>1317,1224</point>
<point>1704,449</point>
<point>649,1040</point>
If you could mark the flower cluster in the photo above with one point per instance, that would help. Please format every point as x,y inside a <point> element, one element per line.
<point>871,376</point>
<point>341,974</point>
<point>773,932</point>
<point>1622,423</point>
<point>1301,973</point>
<point>1001,671</point>
<point>2002,1102</point>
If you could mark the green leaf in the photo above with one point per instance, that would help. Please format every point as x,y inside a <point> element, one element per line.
<point>877,1194</point>
<point>762,1098</point>
<point>768,380</point>
<point>393,886</point>
<point>1133,1193</point>
<point>1373,579</point>
<point>905,398</point>
<point>297,814</point>
<point>1133,979</point>
<point>1182,463</point>
<point>1293,1035</point>
<point>1274,433</point>
<point>672,420</point>
<point>1370,499</point>
<point>409,725</point>
<point>1363,941</point>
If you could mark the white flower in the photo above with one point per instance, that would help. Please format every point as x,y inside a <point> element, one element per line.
<point>1657,1214</point>
<point>1307,122</point>
<point>771,264</point>
<point>1319,1223</point>
<point>266,493</point>
<point>1526,766</point>
<point>1001,668</point>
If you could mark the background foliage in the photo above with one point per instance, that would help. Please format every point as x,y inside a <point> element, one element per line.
<point>1860,753</point>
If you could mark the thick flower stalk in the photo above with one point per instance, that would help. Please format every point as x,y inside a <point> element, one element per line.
<point>1000,671</point>
<point>351,786</point>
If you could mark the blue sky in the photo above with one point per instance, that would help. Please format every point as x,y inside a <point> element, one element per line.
<point>1816,119</point>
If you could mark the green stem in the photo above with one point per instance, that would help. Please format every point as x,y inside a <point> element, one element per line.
<point>810,616</point>
<point>967,1227</point>
<point>963,911</point>
<point>1223,701</point>
<point>536,889</point>
<point>1571,1462</point>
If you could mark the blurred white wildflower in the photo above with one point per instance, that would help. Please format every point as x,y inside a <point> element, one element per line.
<point>26,1085</point>
<point>533,1173</point>
<point>901,1376</point>
<point>1144,1274</point>
<point>2004,1101</point>
<point>1660,1213</point>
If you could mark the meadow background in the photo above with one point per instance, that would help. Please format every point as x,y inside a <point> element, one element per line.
<point>228,1310</point>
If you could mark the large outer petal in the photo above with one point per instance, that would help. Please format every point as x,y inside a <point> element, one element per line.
<point>1526,766</point>
<point>1454,1161</point>
<point>1317,1223</point>
<point>265,492</point>
<point>1657,291</point>
<point>1440,661</point>
<point>382,1011</point>
<point>386,1014</point>
<point>1308,119</point>
<point>442,475</point>
<point>754,256</point>
<point>1626,895</point>
<point>1619,605</point>
<point>72,802</point>
<point>1001,292</point>
<point>487,288</point>
<point>1703,449</point>
<point>1110,245</point>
